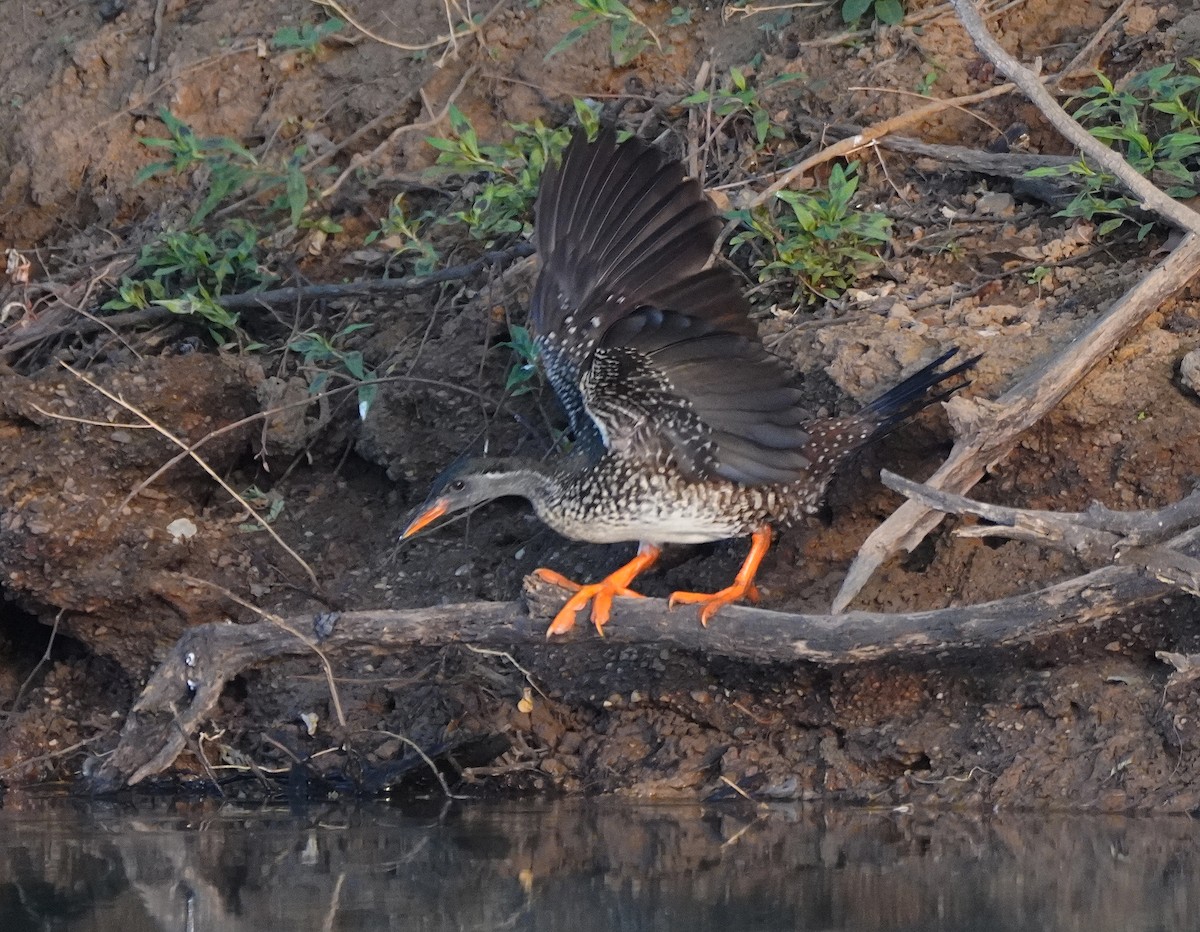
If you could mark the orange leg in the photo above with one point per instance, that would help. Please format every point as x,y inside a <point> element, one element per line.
<point>743,586</point>
<point>599,594</point>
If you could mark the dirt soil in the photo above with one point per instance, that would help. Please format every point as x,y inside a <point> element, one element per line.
<point>111,568</point>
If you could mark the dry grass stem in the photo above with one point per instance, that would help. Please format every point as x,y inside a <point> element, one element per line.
<point>202,463</point>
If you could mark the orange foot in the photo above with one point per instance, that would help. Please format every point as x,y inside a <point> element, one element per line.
<point>599,594</point>
<point>743,586</point>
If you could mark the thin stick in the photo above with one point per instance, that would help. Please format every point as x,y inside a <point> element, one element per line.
<point>1109,160</point>
<point>152,58</point>
<point>341,11</point>
<point>279,622</point>
<point>847,146</point>
<point>358,162</point>
<point>425,757</point>
<point>1081,59</point>
<point>45,659</point>
<point>88,421</point>
<point>900,92</point>
<point>376,287</point>
<point>200,461</point>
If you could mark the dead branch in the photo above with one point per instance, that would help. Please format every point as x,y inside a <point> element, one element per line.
<point>870,135</point>
<point>964,158</point>
<point>987,430</point>
<point>1098,536</point>
<point>381,286</point>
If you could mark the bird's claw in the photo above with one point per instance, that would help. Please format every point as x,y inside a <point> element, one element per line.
<point>713,602</point>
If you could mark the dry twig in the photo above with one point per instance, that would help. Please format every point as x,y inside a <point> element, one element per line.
<point>202,463</point>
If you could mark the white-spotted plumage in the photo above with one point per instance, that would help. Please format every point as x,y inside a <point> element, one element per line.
<point>686,429</point>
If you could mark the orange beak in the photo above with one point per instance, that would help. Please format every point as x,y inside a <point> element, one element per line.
<point>428,516</point>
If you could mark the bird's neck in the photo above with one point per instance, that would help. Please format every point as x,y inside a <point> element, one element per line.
<point>538,483</point>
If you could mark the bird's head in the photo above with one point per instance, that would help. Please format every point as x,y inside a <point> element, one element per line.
<point>470,482</point>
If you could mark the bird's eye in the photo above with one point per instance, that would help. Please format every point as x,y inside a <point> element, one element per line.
<point>457,485</point>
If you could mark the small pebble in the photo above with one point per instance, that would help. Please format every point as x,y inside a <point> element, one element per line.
<point>1189,371</point>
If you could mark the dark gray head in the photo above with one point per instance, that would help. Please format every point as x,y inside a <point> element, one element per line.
<point>470,482</point>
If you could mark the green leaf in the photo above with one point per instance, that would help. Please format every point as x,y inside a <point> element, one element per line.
<point>366,398</point>
<point>353,361</point>
<point>572,37</point>
<point>445,145</point>
<point>889,11</point>
<point>762,125</point>
<point>154,168</point>
<point>297,195</point>
<point>852,10</point>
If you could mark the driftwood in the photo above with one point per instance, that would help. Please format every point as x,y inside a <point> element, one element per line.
<point>183,692</point>
<point>1149,540</point>
<point>987,430</point>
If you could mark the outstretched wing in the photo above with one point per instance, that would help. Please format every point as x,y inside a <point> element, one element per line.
<point>652,354</point>
<point>711,402</point>
<point>615,225</point>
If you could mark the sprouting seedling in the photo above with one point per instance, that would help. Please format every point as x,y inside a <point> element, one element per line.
<point>628,35</point>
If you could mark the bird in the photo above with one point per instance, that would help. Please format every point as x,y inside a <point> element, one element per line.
<point>686,430</point>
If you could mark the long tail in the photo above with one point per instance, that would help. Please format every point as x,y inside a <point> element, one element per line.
<point>835,439</point>
<point>915,393</point>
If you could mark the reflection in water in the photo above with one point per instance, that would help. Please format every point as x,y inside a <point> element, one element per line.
<point>576,866</point>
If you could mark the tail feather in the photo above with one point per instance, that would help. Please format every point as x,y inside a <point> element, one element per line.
<point>835,439</point>
<point>915,393</point>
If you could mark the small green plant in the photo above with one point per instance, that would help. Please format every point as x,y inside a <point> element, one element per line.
<point>270,504</point>
<point>524,375</point>
<point>739,97</point>
<point>680,16</point>
<point>510,171</point>
<point>402,235</point>
<point>1037,275</point>
<point>326,356</point>
<point>1155,121</point>
<point>188,273</point>
<point>307,37</point>
<point>817,240</point>
<point>292,184</point>
<point>628,35</point>
<point>228,162</point>
<point>928,80</point>
<point>886,11</point>
<point>230,169</point>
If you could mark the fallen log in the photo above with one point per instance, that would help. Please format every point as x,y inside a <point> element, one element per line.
<point>182,693</point>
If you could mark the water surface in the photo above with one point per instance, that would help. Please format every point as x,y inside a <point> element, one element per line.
<point>559,867</point>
